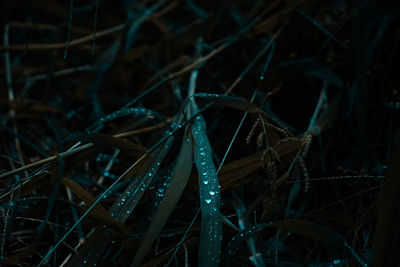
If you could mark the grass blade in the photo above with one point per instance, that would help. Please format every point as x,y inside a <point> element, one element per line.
<point>104,140</point>
<point>127,202</point>
<point>211,227</point>
<point>178,182</point>
<point>123,207</point>
<point>135,112</point>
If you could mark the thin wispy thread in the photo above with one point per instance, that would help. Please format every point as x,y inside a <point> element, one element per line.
<point>183,237</point>
<point>96,13</point>
<point>235,135</point>
<point>3,240</point>
<point>70,13</point>
<point>322,28</point>
<point>254,61</point>
<point>271,53</point>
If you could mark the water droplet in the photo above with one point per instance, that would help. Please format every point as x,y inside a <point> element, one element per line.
<point>212,193</point>
<point>208,201</point>
<point>150,174</point>
<point>205,173</point>
<point>203,163</point>
<point>205,182</point>
<point>337,261</point>
<point>161,190</point>
<point>127,212</point>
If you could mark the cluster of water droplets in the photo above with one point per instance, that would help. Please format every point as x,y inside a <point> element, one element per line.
<point>207,173</point>
<point>242,236</point>
<point>130,197</point>
<point>209,195</point>
<point>101,157</point>
<point>161,192</point>
<point>173,127</point>
<point>135,190</point>
<point>336,261</point>
<point>208,95</point>
<point>108,174</point>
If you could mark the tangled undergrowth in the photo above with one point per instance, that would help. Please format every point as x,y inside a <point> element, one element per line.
<point>177,133</point>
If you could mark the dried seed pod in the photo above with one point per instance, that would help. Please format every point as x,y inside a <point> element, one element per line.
<point>260,139</point>
<point>252,131</point>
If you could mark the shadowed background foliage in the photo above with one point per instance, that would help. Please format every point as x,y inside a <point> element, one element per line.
<point>207,133</point>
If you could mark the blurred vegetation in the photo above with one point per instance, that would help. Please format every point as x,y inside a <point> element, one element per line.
<point>231,133</point>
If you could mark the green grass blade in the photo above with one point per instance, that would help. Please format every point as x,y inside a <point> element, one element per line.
<point>128,200</point>
<point>211,227</point>
<point>178,182</point>
<point>123,207</point>
<point>108,141</point>
<point>135,112</point>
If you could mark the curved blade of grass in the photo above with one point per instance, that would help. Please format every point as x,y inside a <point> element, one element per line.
<point>240,104</point>
<point>178,182</point>
<point>211,227</point>
<point>135,190</point>
<point>76,149</point>
<point>96,126</point>
<point>109,141</point>
<point>98,211</point>
<point>167,141</point>
<point>91,251</point>
<point>53,195</point>
<point>51,251</point>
